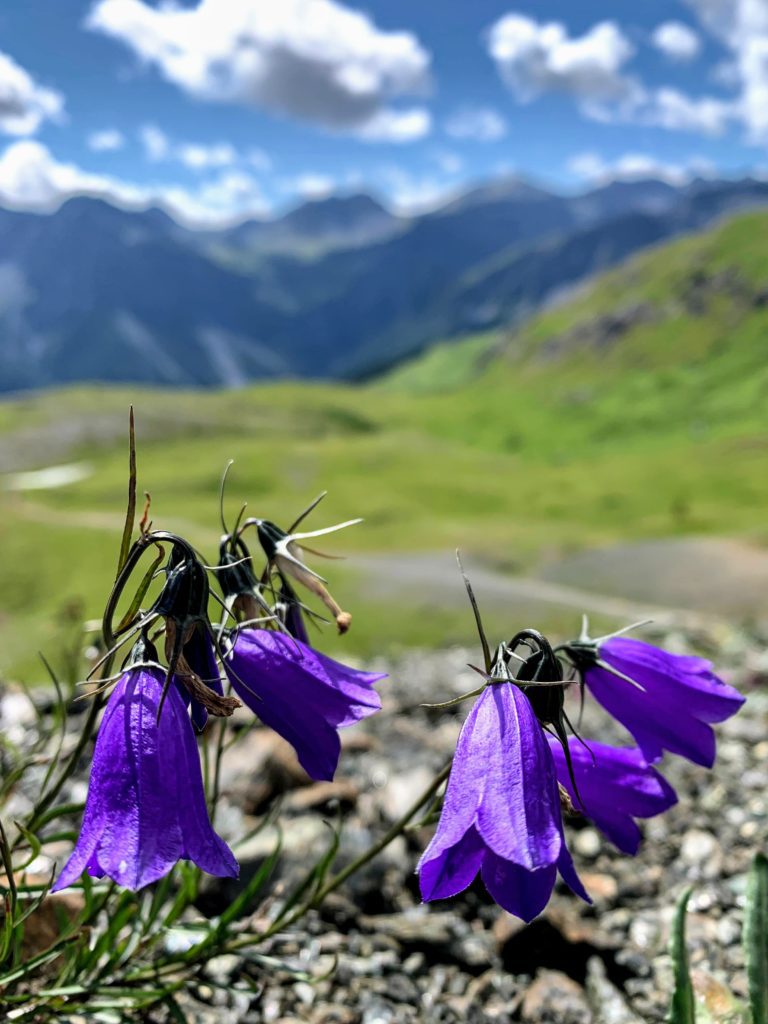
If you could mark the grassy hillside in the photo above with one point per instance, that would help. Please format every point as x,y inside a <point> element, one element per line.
<point>635,409</point>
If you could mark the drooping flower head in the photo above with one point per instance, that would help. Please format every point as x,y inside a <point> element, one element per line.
<point>145,807</point>
<point>183,604</point>
<point>303,695</point>
<point>501,816</point>
<point>665,701</point>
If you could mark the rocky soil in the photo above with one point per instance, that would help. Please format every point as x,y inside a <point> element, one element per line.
<point>373,954</point>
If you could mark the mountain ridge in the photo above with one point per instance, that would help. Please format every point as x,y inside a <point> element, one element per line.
<point>336,289</point>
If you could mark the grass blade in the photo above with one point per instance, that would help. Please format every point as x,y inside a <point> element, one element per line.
<point>756,938</point>
<point>682,1009</point>
<point>130,512</point>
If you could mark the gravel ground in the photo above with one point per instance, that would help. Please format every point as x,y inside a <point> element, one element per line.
<point>374,954</point>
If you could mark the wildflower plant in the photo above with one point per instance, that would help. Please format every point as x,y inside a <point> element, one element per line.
<point>235,635</point>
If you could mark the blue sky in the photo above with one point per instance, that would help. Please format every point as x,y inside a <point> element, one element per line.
<point>218,109</point>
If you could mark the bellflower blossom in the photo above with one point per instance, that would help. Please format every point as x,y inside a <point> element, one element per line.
<point>145,807</point>
<point>303,695</point>
<point>665,701</point>
<point>501,815</point>
<point>615,786</point>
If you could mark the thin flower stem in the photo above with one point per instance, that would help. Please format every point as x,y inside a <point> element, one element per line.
<point>185,961</point>
<point>333,883</point>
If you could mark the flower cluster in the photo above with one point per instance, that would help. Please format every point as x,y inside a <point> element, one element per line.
<point>146,805</point>
<point>516,769</point>
<point>519,768</point>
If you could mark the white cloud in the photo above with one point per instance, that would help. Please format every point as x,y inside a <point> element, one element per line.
<point>593,168</point>
<point>742,27</point>
<point>24,104</point>
<point>315,60</point>
<point>197,156</point>
<point>309,185</point>
<point>537,57</point>
<point>31,178</point>
<point>200,157</point>
<point>476,124</point>
<point>389,125</point>
<point>672,109</point>
<point>411,194</point>
<point>226,199</point>
<point>106,141</point>
<point>676,40</point>
<point>156,143</point>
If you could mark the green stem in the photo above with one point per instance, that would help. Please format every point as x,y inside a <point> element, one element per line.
<point>333,883</point>
<point>203,951</point>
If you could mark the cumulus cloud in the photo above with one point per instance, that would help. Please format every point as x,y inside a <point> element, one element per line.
<point>476,124</point>
<point>592,168</point>
<point>24,104</point>
<point>536,58</point>
<point>539,57</point>
<point>742,27</point>
<point>105,141</point>
<point>672,109</point>
<point>676,40</point>
<point>315,60</point>
<point>397,125</point>
<point>31,178</point>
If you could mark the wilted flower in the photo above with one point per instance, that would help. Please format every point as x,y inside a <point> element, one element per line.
<point>666,701</point>
<point>145,807</point>
<point>615,786</point>
<point>501,815</point>
<point>303,695</point>
<point>285,557</point>
<point>198,659</point>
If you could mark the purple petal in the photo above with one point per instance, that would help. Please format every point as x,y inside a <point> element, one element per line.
<point>146,804</point>
<point>656,723</point>
<point>519,811</point>
<point>301,694</point>
<point>503,783</point>
<point>521,892</point>
<point>681,682</point>
<point>451,871</point>
<point>615,785</point>
<point>568,873</point>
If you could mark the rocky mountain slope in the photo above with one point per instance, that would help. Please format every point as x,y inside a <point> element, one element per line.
<point>336,289</point>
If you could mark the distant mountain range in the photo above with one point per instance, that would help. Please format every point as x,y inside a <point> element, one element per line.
<point>338,288</point>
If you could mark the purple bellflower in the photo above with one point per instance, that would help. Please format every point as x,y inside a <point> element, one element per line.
<point>146,803</point>
<point>665,701</point>
<point>501,815</point>
<point>615,786</point>
<point>303,695</point>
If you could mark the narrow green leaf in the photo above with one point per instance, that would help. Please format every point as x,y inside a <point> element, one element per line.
<point>130,512</point>
<point>682,1009</point>
<point>34,845</point>
<point>756,938</point>
<point>143,587</point>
